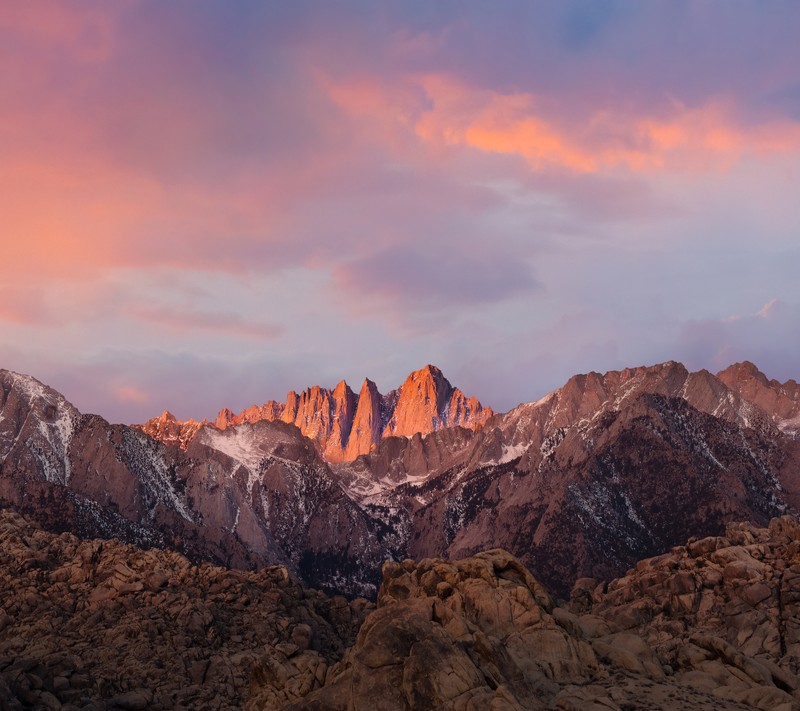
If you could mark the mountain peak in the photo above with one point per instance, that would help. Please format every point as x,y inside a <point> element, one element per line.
<point>427,402</point>
<point>428,374</point>
<point>346,425</point>
<point>738,372</point>
<point>781,401</point>
<point>341,389</point>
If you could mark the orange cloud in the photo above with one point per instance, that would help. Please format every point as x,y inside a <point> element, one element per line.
<point>445,113</point>
<point>685,139</point>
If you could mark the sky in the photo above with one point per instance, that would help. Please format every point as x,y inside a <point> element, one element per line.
<point>207,204</point>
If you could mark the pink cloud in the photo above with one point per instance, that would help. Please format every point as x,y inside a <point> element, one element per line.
<point>420,167</point>
<point>85,31</point>
<point>130,394</point>
<point>24,306</point>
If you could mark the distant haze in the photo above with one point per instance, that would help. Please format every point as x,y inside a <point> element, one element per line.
<point>207,204</point>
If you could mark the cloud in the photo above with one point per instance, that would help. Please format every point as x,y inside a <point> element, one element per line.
<point>130,394</point>
<point>770,338</point>
<point>705,138</point>
<point>389,175</point>
<point>179,320</point>
<point>212,160</point>
<point>24,306</point>
<point>412,278</point>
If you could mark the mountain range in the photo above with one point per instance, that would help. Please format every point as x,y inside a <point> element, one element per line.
<point>344,425</point>
<point>606,470</point>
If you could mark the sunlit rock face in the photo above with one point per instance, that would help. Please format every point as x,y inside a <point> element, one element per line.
<point>779,400</point>
<point>345,425</point>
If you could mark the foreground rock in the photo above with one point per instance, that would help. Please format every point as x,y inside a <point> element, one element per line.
<point>102,625</point>
<point>714,624</point>
<point>723,612</point>
<point>711,625</point>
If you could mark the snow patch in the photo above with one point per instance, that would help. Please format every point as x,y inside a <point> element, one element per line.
<point>238,443</point>
<point>147,462</point>
<point>790,426</point>
<point>252,448</point>
<point>57,428</point>
<point>236,520</point>
<point>509,454</point>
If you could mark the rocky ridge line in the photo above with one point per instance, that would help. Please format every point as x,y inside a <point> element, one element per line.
<point>607,470</point>
<point>346,425</point>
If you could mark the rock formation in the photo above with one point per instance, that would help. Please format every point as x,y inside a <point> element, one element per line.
<point>344,425</point>
<point>367,427</point>
<point>100,625</point>
<point>780,400</point>
<point>103,626</point>
<point>169,430</point>
<point>711,625</point>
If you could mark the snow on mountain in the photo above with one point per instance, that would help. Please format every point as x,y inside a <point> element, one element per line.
<point>47,425</point>
<point>608,468</point>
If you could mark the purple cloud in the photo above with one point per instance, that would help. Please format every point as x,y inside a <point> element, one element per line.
<point>505,189</point>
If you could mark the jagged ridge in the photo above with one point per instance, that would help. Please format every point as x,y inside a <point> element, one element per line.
<point>346,425</point>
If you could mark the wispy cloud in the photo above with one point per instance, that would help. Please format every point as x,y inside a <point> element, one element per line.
<point>179,320</point>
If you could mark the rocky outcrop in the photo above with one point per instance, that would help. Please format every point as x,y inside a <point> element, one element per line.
<point>422,404</point>
<point>344,425</point>
<point>169,430</point>
<point>101,625</point>
<point>721,612</point>
<point>781,401</point>
<point>324,416</point>
<point>367,427</point>
<point>270,410</point>
<point>711,625</point>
